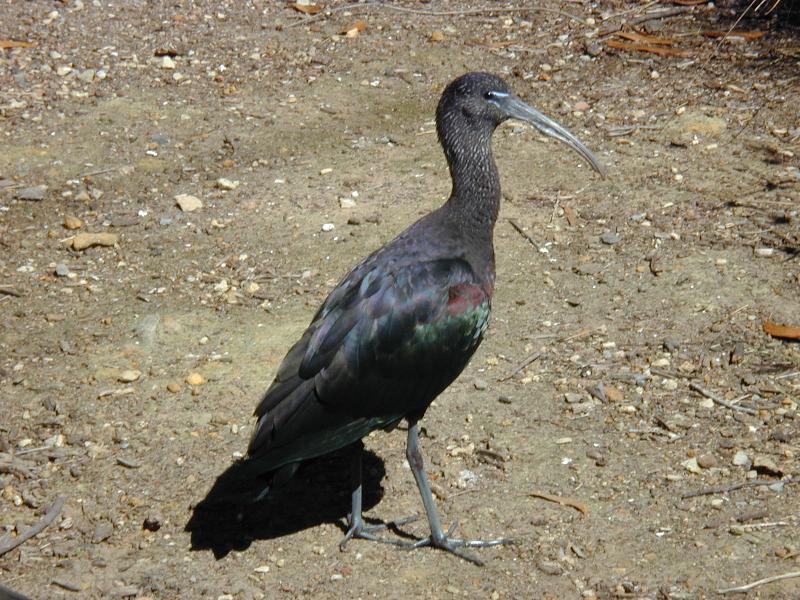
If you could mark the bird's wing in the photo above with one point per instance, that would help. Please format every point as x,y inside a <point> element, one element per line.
<point>379,327</point>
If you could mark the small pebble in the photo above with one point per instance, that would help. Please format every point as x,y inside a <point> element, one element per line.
<point>326,227</point>
<point>707,461</point>
<point>35,193</point>
<point>195,379</point>
<point>87,76</point>
<point>610,238</point>
<point>188,203</point>
<point>173,387</point>
<point>82,241</point>
<point>670,384</point>
<point>691,465</point>
<point>72,222</point>
<point>740,459</point>
<point>129,375</point>
<point>102,532</point>
<point>224,183</point>
<point>62,270</point>
<point>166,62</point>
<point>480,384</point>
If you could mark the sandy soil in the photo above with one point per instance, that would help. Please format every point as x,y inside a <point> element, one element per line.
<point>619,302</point>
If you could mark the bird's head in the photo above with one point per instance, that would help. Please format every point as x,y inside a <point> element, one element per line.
<point>481,101</point>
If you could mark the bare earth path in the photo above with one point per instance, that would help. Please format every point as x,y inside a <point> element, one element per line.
<point>619,303</point>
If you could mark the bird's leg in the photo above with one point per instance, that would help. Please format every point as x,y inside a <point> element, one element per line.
<point>438,538</point>
<point>356,527</point>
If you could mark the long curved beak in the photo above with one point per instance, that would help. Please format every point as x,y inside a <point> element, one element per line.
<point>517,109</point>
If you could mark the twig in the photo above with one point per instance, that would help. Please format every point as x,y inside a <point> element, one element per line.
<point>49,517</point>
<point>788,375</point>
<point>722,489</point>
<point>748,527</point>
<point>10,290</point>
<point>525,363</point>
<point>523,233</point>
<point>576,504</point>
<point>67,585</point>
<point>755,584</point>
<point>436,13</point>
<point>708,394</point>
<point>100,172</point>
<point>659,14</point>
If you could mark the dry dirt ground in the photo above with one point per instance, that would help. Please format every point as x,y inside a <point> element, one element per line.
<point>613,298</point>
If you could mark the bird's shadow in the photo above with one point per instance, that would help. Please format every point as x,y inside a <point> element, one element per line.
<point>230,519</point>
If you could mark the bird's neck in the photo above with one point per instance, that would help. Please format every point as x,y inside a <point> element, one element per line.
<point>475,199</point>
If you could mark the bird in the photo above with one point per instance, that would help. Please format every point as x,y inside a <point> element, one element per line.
<point>399,328</point>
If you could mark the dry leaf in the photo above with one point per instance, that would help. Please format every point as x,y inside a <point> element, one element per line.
<point>748,35</point>
<point>643,48</point>
<point>16,44</point>
<point>781,331</point>
<point>571,214</point>
<point>306,9</point>
<point>576,504</point>
<point>354,29</point>
<point>645,39</point>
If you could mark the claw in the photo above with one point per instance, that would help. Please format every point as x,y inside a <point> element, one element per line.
<point>360,530</point>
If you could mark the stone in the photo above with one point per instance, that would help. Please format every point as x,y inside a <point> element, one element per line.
<point>224,183</point>
<point>740,459</point>
<point>610,238</point>
<point>34,193</point>
<point>195,379</point>
<point>72,222</point>
<point>87,76</point>
<point>707,461</point>
<point>166,62</point>
<point>188,203</point>
<point>82,241</point>
<point>129,375</point>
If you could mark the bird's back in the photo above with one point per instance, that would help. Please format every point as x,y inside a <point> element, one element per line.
<point>394,333</point>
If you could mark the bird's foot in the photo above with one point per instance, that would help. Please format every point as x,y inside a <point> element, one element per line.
<point>456,545</point>
<point>361,530</point>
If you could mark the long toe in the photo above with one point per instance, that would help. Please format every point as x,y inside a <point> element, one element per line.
<point>366,531</point>
<point>456,546</point>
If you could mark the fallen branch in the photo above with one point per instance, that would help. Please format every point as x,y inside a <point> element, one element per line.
<point>576,504</point>
<point>49,517</point>
<point>755,584</point>
<point>711,395</point>
<point>722,489</point>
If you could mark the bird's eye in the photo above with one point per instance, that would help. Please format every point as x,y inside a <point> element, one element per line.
<point>495,95</point>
